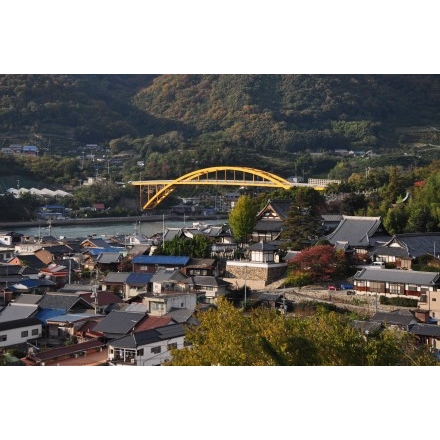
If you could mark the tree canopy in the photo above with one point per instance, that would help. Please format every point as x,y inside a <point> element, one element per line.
<point>226,336</point>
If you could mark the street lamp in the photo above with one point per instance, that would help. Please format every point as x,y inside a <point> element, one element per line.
<point>70,267</point>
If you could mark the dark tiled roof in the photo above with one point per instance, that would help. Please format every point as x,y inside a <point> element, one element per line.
<point>202,262</point>
<point>206,280</point>
<point>262,246</point>
<point>268,226</point>
<point>421,244</point>
<point>149,336</point>
<point>119,322</point>
<point>18,323</point>
<point>61,301</point>
<point>425,330</point>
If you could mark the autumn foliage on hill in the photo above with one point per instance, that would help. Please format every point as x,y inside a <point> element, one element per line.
<point>320,263</point>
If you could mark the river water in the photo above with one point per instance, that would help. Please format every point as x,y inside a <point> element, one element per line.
<point>147,229</point>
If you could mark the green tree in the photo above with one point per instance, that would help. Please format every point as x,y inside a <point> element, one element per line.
<point>227,336</point>
<point>242,218</point>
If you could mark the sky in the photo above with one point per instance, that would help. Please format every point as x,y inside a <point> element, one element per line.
<point>232,36</point>
<point>196,36</point>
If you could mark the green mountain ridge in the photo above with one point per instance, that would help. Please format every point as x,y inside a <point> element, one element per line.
<point>219,119</point>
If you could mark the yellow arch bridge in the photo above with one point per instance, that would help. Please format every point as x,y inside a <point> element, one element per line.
<point>158,190</point>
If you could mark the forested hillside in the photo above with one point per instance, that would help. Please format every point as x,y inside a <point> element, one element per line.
<point>220,116</point>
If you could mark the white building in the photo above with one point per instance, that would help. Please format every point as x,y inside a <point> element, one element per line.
<point>19,331</point>
<point>146,348</point>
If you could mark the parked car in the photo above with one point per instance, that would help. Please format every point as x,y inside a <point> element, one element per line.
<point>331,288</point>
<point>351,292</point>
<point>346,287</point>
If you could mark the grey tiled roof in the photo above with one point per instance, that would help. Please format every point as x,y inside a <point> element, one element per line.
<point>116,277</point>
<point>119,322</point>
<point>180,315</point>
<point>108,258</point>
<point>28,298</point>
<point>13,312</point>
<point>357,231</point>
<point>396,275</point>
<point>398,317</point>
<point>167,274</point>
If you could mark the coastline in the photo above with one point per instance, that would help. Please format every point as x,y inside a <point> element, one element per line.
<point>88,221</point>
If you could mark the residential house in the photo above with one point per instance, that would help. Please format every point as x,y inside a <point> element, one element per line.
<point>428,334</point>
<point>402,250</point>
<point>127,284</point>
<point>6,253</point>
<point>430,302</point>
<point>120,322</point>
<point>269,222</point>
<point>147,348</point>
<point>89,352</point>
<point>14,273</point>
<point>67,324</point>
<point>18,332</point>
<point>25,306</point>
<point>108,261</point>
<point>263,267</point>
<point>207,288</point>
<point>159,304</point>
<point>358,235</point>
<point>52,303</point>
<point>201,266</point>
<point>168,280</point>
<point>56,273</point>
<point>151,263</point>
<point>32,285</point>
<point>396,282</point>
<point>28,260</point>
<point>401,319</point>
<point>10,238</point>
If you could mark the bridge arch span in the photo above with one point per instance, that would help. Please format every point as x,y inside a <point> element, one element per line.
<point>222,175</point>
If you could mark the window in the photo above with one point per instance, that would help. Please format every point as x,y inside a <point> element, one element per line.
<point>35,332</point>
<point>186,343</point>
<point>172,346</point>
<point>157,307</point>
<point>155,350</point>
<point>3,338</point>
<point>24,334</point>
<point>140,352</point>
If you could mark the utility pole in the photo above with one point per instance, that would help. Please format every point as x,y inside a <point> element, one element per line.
<point>245,286</point>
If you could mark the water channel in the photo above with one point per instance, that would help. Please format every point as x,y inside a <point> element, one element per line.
<point>147,228</point>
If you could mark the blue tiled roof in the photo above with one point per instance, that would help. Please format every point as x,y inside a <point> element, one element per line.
<point>45,314</point>
<point>97,251</point>
<point>139,278</point>
<point>166,260</point>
